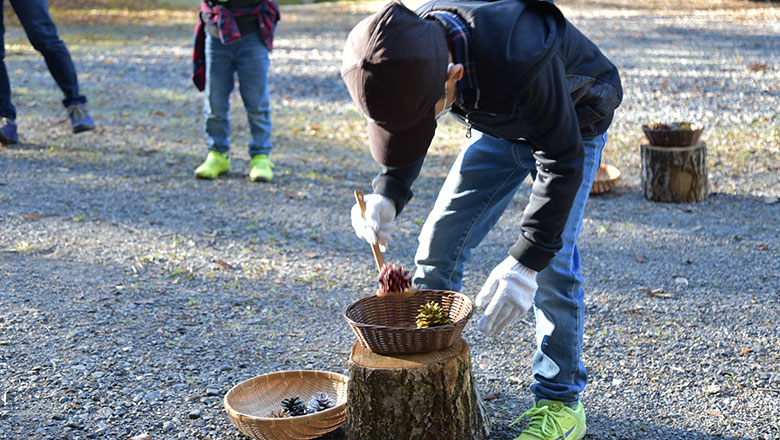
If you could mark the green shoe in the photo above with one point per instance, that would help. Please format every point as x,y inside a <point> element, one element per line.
<point>261,168</point>
<point>215,164</point>
<point>551,420</point>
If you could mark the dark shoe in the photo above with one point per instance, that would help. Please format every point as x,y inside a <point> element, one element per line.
<point>8,131</point>
<point>79,118</point>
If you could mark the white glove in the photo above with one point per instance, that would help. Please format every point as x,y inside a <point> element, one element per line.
<point>379,221</point>
<point>507,294</point>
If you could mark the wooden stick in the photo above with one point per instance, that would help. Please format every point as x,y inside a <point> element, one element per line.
<point>378,259</point>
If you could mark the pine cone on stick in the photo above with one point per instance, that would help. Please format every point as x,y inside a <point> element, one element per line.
<point>394,278</point>
<point>431,314</point>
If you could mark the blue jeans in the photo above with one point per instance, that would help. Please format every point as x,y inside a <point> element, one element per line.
<point>248,57</point>
<point>40,30</point>
<point>478,189</point>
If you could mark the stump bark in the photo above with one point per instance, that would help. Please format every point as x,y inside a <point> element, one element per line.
<point>429,396</point>
<point>675,174</point>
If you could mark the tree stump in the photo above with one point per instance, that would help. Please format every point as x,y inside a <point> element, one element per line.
<point>429,396</point>
<point>674,174</point>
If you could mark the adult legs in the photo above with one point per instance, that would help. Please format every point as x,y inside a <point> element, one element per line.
<point>220,69</point>
<point>7,109</point>
<point>42,33</point>
<point>252,63</point>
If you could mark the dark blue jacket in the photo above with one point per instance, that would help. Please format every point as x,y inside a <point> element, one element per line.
<point>543,82</point>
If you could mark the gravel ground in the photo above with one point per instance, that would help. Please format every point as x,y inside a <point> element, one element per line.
<point>132,296</point>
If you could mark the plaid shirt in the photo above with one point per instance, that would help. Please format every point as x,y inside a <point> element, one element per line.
<point>267,13</point>
<point>468,87</point>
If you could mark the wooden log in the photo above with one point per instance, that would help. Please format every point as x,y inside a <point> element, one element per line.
<point>675,174</point>
<point>429,396</point>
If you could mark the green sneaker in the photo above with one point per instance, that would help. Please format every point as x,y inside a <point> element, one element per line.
<point>215,164</point>
<point>261,168</point>
<point>551,420</point>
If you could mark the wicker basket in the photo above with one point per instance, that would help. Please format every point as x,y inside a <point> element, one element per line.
<point>606,177</point>
<point>673,137</point>
<point>250,402</point>
<point>387,325</point>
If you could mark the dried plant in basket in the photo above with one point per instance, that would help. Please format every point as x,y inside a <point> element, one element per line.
<point>279,414</point>
<point>395,281</point>
<point>431,314</point>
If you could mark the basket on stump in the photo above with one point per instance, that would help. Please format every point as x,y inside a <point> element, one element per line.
<point>250,404</point>
<point>387,325</point>
<point>674,134</point>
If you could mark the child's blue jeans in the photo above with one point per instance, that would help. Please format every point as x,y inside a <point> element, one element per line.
<point>247,57</point>
<point>479,187</point>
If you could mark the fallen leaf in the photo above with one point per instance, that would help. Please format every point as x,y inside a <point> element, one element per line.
<point>696,228</point>
<point>311,255</point>
<point>762,247</point>
<point>37,216</point>
<point>658,293</point>
<point>640,258</point>
<point>159,113</point>
<point>491,396</point>
<point>745,350</point>
<point>224,264</point>
<point>758,67</point>
<point>714,413</point>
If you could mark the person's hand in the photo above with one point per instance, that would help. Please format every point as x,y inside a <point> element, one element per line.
<point>507,294</point>
<point>378,223</point>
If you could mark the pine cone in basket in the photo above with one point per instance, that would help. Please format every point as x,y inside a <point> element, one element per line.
<point>279,414</point>
<point>294,406</point>
<point>394,278</point>
<point>320,402</point>
<point>431,314</point>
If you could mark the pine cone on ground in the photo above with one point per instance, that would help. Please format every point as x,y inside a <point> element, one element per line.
<point>431,314</point>
<point>294,406</point>
<point>394,278</point>
<point>320,402</point>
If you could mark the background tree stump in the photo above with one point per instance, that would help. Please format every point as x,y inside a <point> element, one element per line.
<point>430,396</point>
<point>674,174</point>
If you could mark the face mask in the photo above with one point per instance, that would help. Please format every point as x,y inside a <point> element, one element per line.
<point>446,108</point>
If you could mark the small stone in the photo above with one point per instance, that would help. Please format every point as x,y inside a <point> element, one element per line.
<point>168,427</point>
<point>212,391</point>
<point>58,417</point>
<point>74,425</point>
<point>141,437</point>
<point>194,414</point>
<point>712,389</point>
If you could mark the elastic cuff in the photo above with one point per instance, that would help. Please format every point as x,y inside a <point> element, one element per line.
<point>385,186</point>
<point>530,256</point>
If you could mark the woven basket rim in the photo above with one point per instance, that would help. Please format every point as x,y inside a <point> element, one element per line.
<point>695,126</point>
<point>438,328</point>
<point>284,420</point>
